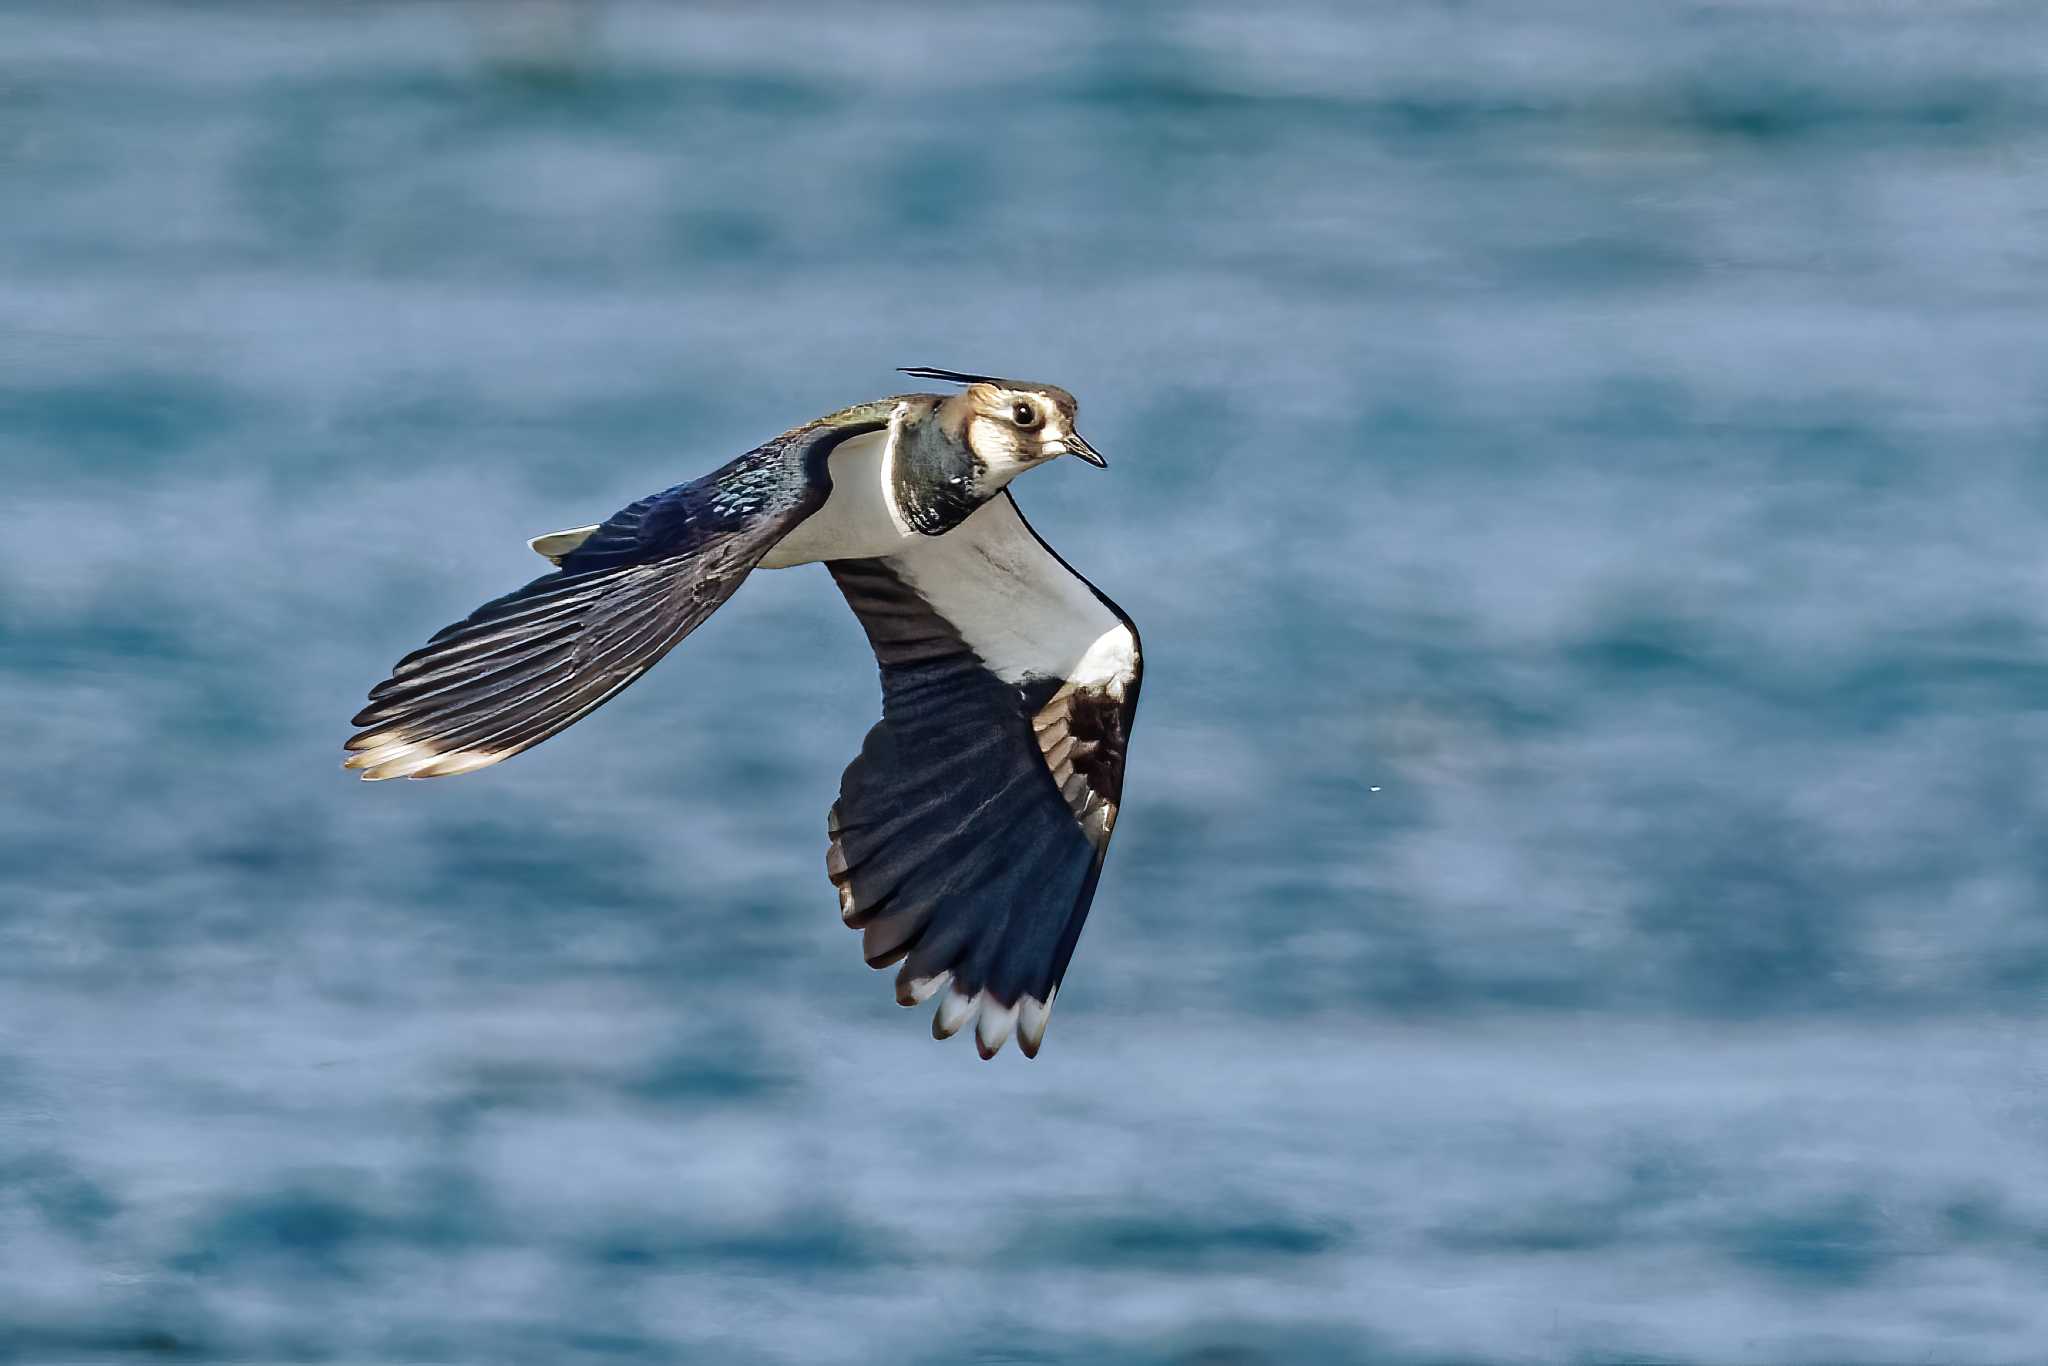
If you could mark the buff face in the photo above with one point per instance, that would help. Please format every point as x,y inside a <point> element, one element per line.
<point>1010,428</point>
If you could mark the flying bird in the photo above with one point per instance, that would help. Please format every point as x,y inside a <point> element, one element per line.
<point>970,831</point>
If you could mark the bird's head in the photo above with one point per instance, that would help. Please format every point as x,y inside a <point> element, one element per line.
<point>1010,425</point>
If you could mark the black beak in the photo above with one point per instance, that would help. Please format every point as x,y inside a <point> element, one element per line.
<point>1076,446</point>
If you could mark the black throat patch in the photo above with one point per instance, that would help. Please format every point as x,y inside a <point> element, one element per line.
<point>936,480</point>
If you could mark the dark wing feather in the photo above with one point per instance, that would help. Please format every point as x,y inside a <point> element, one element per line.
<point>969,834</point>
<point>522,667</point>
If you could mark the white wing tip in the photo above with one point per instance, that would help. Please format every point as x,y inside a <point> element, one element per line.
<point>384,757</point>
<point>993,1022</point>
<point>394,757</point>
<point>1032,1015</point>
<point>954,1011</point>
<point>918,990</point>
<point>992,1030</point>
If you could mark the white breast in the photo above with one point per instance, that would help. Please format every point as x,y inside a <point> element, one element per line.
<point>860,519</point>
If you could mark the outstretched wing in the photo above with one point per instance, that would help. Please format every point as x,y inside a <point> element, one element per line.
<point>970,832</point>
<point>523,666</point>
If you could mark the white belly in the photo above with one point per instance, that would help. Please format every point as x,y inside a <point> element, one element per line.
<point>859,520</point>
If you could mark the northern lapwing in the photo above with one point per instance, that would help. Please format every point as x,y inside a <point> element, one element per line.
<point>970,832</point>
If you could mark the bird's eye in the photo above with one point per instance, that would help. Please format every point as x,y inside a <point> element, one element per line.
<point>1025,415</point>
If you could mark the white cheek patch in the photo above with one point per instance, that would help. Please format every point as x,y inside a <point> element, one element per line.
<point>995,449</point>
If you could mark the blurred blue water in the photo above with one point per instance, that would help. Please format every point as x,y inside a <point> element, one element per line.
<point>1581,479</point>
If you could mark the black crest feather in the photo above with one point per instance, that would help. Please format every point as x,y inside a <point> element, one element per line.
<point>953,376</point>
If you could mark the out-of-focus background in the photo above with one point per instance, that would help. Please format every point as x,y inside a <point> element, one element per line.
<point>1582,475</point>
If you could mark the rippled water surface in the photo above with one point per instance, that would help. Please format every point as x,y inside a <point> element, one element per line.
<point>1582,475</point>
